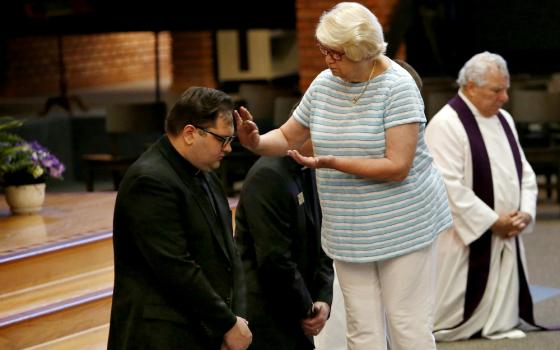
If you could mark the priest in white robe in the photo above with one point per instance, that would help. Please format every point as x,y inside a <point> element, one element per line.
<point>492,300</point>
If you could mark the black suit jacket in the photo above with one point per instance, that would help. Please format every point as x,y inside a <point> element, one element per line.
<point>278,236</point>
<point>178,277</point>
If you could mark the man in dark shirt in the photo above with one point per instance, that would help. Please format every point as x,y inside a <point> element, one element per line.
<point>278,232</point>
<point>178,276</point>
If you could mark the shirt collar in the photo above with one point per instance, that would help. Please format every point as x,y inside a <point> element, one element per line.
<point>185,164</point>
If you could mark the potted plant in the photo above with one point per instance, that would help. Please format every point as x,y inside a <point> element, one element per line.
<point>24,168</point>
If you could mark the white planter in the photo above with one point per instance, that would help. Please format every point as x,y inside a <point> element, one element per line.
<point>25,199</point>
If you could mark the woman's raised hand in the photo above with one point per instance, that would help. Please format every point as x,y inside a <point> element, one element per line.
<point>247,130</point>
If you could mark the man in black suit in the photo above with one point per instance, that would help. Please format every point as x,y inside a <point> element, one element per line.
<point>278,232</point>
<point>178,276</point>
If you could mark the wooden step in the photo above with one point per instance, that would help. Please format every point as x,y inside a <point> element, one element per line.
<point>91,339</point>
<point>71,236</point>
<point>55,261</point>
<point>53,310</point>
<point>56,270</point>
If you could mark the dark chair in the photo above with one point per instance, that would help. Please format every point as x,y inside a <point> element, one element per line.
<point>537,115</point>
<point>546,161</point>
<point>130,129</point>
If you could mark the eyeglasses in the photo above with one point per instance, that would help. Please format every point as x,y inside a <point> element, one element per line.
<point>225,140</point>
<point>335,55</point>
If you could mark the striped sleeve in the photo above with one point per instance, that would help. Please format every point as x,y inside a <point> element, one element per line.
<point>405,104</point>
<point>303,110</point>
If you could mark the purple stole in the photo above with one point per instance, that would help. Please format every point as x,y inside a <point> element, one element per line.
<point>480,250</point>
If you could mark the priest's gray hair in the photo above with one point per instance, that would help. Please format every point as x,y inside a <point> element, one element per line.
<point>477,68</point>
<point>354,28</point>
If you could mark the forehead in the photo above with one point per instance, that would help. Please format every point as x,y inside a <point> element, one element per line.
<point>496,79</point>
<point>329,48</point>
<point>224,120</point>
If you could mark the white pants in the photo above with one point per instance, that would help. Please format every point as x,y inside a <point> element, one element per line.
<point>393,298</point>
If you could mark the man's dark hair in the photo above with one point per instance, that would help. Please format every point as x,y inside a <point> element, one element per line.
<point>199,106</point>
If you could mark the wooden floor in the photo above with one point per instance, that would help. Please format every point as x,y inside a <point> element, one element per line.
<point>56,273</point>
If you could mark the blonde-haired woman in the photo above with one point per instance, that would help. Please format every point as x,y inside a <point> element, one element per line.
<point>383,202</point>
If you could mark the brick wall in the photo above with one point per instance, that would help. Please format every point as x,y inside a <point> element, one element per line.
<point>29,64</point>
<point>92,60</point>
<point>308,14</point>
<point>193,60</point>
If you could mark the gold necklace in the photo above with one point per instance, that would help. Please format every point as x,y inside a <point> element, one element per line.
<point>357,98</point>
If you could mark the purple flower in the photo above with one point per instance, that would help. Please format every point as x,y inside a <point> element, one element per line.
<point>41,157</point>
<point>23,162</point>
